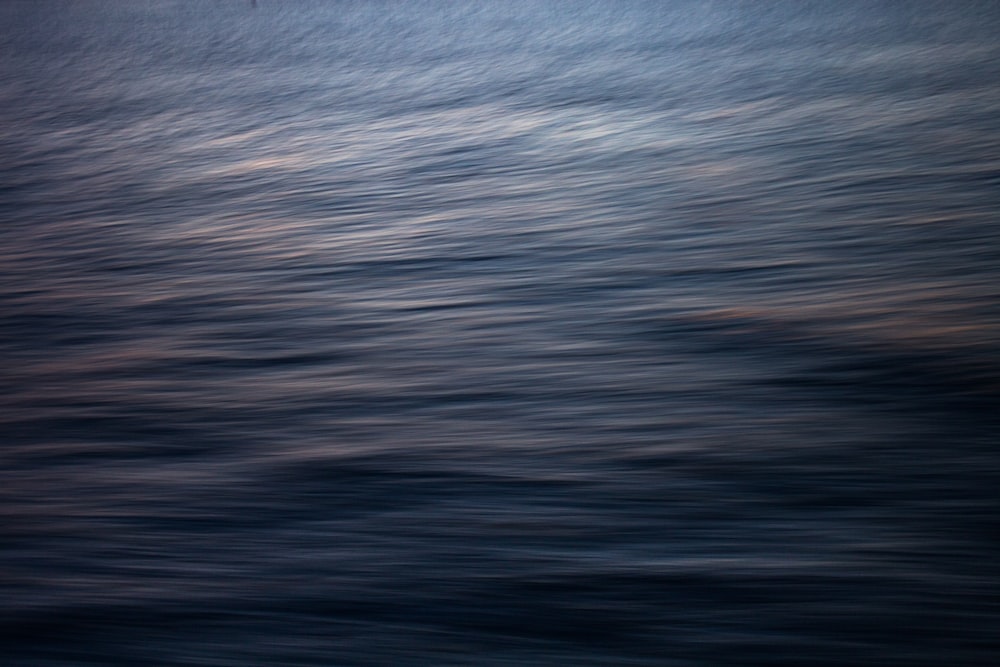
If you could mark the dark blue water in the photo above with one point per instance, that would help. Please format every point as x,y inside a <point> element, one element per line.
<point>522,333</point>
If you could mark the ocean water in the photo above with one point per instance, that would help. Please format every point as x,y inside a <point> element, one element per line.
<point>482,333</point>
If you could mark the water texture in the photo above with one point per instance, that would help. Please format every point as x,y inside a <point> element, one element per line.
<point>522,333</point>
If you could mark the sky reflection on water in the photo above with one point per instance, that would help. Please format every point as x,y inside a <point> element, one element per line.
<point>538,334</point>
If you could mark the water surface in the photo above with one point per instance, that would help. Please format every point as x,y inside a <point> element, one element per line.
<point>523,333</point>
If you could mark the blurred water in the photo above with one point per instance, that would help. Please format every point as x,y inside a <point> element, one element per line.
<point>523,333</point>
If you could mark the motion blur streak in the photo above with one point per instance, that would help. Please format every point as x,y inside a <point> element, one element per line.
<point>522,333</point>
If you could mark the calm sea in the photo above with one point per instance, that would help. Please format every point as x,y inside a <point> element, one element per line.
<point>346,334</point>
